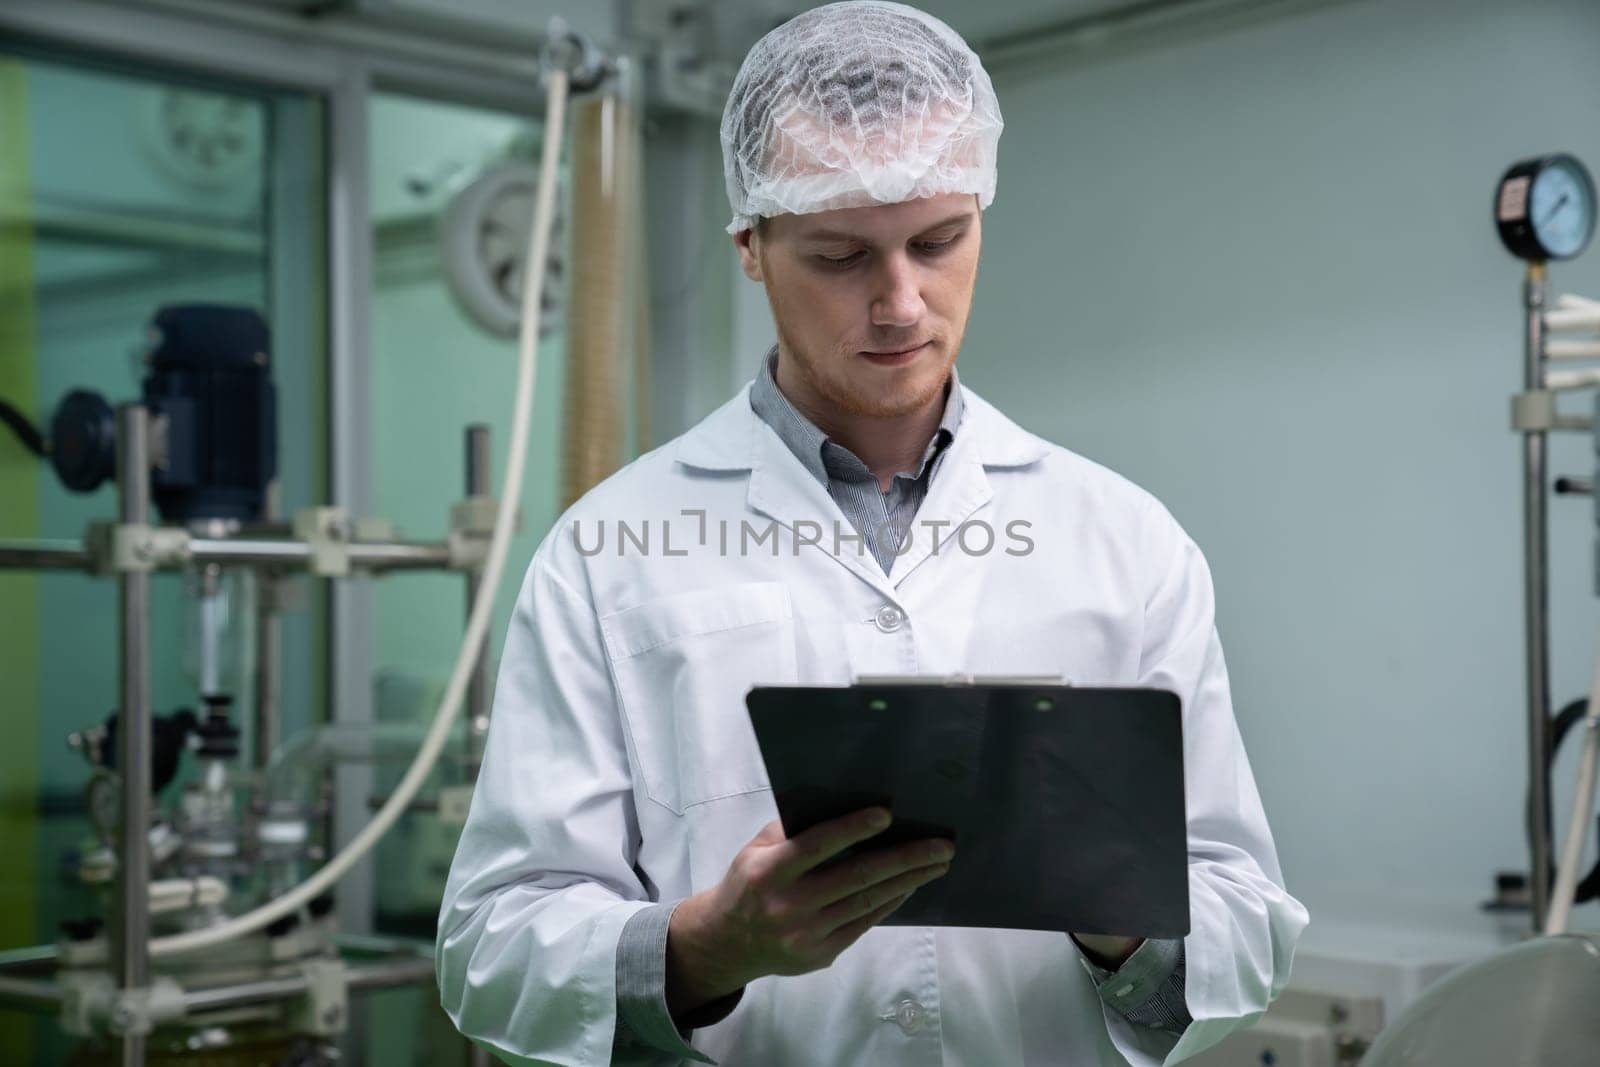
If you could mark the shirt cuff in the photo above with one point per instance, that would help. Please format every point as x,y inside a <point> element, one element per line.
<point>1148,989</point>
<point>642,1015</point>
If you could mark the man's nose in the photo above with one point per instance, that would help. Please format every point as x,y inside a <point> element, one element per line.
<point>899,298</point>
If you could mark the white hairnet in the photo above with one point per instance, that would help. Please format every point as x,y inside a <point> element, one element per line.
<point>857,103</point>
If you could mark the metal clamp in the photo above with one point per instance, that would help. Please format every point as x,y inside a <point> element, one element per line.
<point>324,1009</point>
<point>1533,411</point>
<point>91,1004</point>
<point>326,532</point>
<point>565,49</point>
<point>471,526</point>
<point>120,548</point>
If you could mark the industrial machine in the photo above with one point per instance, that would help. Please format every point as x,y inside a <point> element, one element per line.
<point>210,835</point>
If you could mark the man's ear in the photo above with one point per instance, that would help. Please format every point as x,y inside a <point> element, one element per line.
<point>749,261</point>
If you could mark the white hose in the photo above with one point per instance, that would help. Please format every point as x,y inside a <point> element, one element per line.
<point>483,603</point>
<point>1582,807</point>
<point>180,894</point>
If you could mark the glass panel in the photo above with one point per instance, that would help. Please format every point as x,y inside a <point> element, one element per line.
<point>121,192</point>
<point>447,213</point>
<point>443,357</point>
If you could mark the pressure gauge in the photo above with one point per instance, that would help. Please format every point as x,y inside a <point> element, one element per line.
<point>1545,208</point>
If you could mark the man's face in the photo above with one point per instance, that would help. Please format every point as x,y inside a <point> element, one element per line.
<point>870,302</point>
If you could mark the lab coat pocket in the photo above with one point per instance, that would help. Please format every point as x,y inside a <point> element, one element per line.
<point>683,664</point>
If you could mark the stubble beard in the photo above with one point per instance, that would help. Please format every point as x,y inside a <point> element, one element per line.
<point>879,405</point>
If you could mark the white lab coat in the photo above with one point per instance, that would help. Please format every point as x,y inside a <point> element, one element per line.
<point>621,767</point>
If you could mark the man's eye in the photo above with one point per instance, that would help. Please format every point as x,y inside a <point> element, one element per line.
<point>841,261</point>
<point>930,248</point>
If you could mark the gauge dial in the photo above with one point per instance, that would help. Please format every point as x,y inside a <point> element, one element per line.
<point>1563,209</point>
<point>1545,208</point>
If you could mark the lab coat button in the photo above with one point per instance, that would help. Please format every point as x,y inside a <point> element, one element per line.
<point>889,618</point>
<point>908,1015</point>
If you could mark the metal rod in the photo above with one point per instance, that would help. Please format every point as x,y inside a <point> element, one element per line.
<point>373,555</point>
<point>269,649</point>
<point>43,555</point>
<point>233,996</point>
<point>368,555</point>
<point>1127,24</point>
<point>383,974</point>
<point>28,993</point>
<point>130,937</point>
<point>1536,579</point>
<point>359,977</point>
<point>29,957</point>
<point>478,689</point>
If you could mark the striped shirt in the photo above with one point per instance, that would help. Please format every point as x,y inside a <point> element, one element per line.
<point>881,517</point>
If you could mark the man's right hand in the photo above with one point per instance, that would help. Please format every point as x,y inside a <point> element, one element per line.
<point>775,913</point>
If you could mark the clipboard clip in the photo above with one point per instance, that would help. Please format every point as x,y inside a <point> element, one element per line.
<point>959,679</point>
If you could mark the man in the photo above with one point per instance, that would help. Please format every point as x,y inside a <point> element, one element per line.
<point>622,886</point>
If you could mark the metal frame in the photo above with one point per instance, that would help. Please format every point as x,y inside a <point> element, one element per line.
<point>283,53</point>
<point>350,284</point>
<point>130,929</point>
<point>1536,606</point>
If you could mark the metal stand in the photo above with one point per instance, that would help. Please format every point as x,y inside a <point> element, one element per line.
<point>130,938</point>
<point>1536,581</point>
<point>327,544</point>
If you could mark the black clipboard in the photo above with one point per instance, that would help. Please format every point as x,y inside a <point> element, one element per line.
<point>1066,804</point>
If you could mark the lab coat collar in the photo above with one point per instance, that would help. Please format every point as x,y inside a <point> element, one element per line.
<point>727,439</point>
<point>735,438</point>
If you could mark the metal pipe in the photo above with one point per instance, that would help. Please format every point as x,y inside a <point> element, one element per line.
<point>372,555</point>
<point>478,689</point>
<point>369,555</point>
<point>400,556</point>
<point>1536,580</point>
<point>390,974</point>
<point>383,974</point>
<point>29,958</point>
<point>269,648</point>
<point>43,555</point>
<point>506,54</point>
<point>130,931</point>
<point>30,994</point>
<point>1127,25</point>
<point>242,993</point>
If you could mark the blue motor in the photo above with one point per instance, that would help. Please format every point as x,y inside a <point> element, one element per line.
<point>210,376</point>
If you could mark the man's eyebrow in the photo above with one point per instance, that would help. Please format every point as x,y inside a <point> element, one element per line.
<point>845,235</point>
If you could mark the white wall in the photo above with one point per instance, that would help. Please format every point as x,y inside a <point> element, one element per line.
<point>1256,273</point>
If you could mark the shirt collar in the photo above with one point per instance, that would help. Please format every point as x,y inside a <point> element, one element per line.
<point>812,447</point>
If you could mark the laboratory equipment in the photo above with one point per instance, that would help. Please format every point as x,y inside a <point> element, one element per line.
<point>213,939</point>
<point>1545,208</point>
<point>1533,1004</point>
